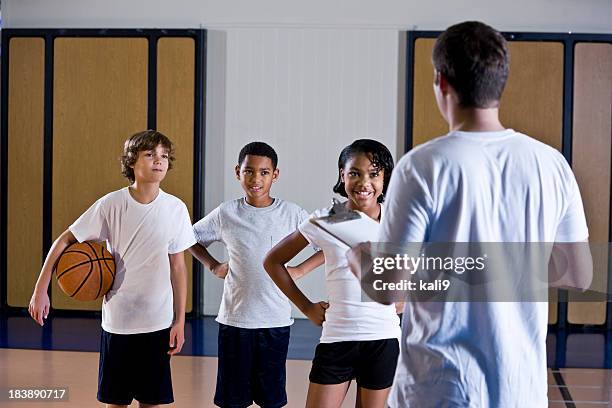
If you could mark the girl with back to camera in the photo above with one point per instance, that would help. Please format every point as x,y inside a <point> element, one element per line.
<point>359,339</point>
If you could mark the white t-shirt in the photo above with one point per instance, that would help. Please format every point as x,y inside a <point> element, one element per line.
<point>140,237</point>
<point>478,187</point>
<point>250,298</point>
<point>349,317</point>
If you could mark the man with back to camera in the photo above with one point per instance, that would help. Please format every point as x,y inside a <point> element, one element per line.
<point>480,182</point>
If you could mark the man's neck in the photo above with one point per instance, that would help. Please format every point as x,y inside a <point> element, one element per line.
<point>475,120</point>
<point>144,193</point>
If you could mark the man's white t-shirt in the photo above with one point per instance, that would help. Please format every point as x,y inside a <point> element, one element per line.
<point>140,237</point>
<point>250,298</point>
<point>349,316</point>
<point>478,187</point>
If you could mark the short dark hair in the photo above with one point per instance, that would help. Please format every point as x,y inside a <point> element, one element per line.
<point>475,60</point>
<point>258,149</point>
<point>140,142</point>
<point>379,155</point>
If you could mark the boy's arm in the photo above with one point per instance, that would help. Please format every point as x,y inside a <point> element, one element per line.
<point>218,269</point>
<point>39,303</point>
<point>178,278</point>
<point>274,264</point>
<point>307,266</point>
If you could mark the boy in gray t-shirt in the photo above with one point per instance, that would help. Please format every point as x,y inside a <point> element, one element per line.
<point>254,316</point>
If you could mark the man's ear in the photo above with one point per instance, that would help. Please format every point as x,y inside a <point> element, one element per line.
<point>275,174</point>
<point>442,82</point>
<point>237,170</point>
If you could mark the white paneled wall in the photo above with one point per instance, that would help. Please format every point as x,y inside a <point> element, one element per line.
<point>517,15</point>
<point>306,92</point>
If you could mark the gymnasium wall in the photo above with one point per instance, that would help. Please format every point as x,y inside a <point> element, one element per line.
<point>308,77</point>
<point>518,15</point>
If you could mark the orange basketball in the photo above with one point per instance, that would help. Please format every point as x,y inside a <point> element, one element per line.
<point>85,271</point>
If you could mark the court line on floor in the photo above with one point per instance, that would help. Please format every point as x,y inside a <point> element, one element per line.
<point>569,403</point>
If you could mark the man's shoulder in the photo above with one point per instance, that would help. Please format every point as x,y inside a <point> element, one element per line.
<point>447,147</point>
<point>434,147</point>
<point>537,144</point>
<point>540,151</point>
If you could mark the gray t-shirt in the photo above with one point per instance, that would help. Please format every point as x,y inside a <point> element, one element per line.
<point>250,298</point>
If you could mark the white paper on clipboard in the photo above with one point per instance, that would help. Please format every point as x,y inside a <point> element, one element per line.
<point>350,232</point>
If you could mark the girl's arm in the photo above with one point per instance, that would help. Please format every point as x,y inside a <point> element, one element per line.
<point>307,266</point>
<point>274,264</point>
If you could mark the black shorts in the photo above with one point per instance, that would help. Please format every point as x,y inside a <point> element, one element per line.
<point>252,367</point>
<point>135,366</point>
<point>372,363</point>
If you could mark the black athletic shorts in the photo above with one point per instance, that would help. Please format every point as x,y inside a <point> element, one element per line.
<point>372,363</point>
<point>252,367</point>
<point>135,366</point>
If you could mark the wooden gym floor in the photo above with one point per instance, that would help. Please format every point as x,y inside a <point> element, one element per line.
<point>63,354</point>
<point>194,380</point>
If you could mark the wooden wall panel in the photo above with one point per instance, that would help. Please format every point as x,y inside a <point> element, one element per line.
<point>591,162</point>
<point>532,101</point>
<point>553,314</point>
<point>25,167</point>
<point>427,119</point>
<point>99,99</point>
<point>175,118</point>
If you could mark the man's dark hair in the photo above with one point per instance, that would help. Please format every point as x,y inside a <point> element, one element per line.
<point>258,149</point>
<point>378,154</point>
<point>143,141</point>
<point>474,58</point>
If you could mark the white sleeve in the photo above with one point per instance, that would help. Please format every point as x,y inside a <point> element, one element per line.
<point>183,237</point>
<point>208,229</point>
<point>303,219</point>
<point>408,206</point>
<point>92,224</point>
<point>310,232</point>
<point>572,226</point>
<point>302,216</point>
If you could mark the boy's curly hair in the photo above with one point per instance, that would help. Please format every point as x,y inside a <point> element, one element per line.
<point>139,142</point>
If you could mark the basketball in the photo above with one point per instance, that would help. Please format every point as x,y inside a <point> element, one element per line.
<point>85,271</point>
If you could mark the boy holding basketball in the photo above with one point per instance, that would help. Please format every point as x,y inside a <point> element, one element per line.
<point>254,316</point>
<point>143,315</point>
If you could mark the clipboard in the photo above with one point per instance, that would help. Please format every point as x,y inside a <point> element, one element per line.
<point>348,226</point>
